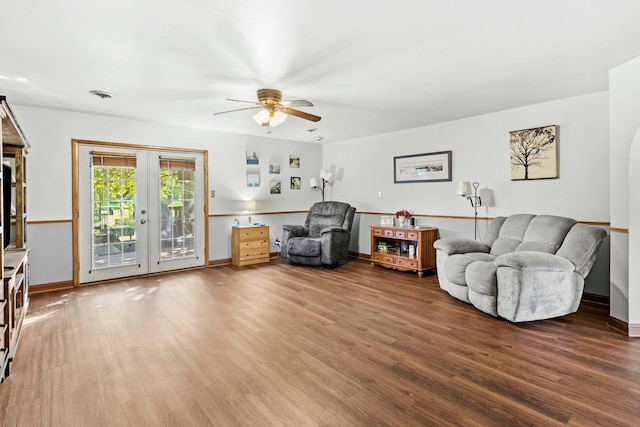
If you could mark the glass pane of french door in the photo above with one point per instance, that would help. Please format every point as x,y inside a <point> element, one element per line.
<point>113,207</point>
<point>177,203</point>
<point>176,238</point>
<point>112,199</point>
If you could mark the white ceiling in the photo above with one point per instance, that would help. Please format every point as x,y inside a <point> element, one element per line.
<point>369,67</point>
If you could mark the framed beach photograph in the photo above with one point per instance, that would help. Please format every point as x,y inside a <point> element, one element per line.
<point>427,167</point>
<point>253,179</point>
<point>534,153</point>
<point>274,167</point>
<point>252,158</point>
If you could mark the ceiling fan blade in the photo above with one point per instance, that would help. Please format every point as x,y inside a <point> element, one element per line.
<point>239,109</point>
<point>297,103</point>
<point>301,114</point>
<point>242,100</point>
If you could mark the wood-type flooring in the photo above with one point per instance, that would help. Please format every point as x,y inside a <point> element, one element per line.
<point>274,344</point>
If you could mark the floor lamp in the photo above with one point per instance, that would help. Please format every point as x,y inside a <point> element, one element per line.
<point>464,190</point>
<point>326,177</point>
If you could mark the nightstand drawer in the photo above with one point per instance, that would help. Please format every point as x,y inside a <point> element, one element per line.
<point>250,233</point>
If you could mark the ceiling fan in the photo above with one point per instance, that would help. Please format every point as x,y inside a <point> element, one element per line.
<point>273,111</point>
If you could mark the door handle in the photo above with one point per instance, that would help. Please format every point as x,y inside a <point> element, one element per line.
<point>143,221</point>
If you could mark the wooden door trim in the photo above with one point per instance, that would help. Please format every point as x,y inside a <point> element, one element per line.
<point>75,146</point>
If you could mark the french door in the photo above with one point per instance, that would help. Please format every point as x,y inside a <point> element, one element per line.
<point>139,211</point>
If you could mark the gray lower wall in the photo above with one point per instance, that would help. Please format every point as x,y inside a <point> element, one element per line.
<point>51,244</point>
<point>51,252</point>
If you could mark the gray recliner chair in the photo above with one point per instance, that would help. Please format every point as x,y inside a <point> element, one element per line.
<point>323,240</point>
<point>526,267</point>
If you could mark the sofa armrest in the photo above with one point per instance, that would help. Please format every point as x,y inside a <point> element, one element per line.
<point>333,230</point>
<point>453,245</point>
<point>289,231</point>
<point>530,260</point>
<point>296,230</point>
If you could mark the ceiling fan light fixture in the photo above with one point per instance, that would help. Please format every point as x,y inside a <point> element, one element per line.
<point>269,118</point>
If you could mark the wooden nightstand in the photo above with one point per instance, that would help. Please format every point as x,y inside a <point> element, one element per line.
<point>249,244</point>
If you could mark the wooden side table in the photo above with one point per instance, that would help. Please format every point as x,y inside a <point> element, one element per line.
<point>391,247</point>
<point>249,244</point>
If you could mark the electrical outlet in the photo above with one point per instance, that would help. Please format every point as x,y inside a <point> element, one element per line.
<point>276,242</point>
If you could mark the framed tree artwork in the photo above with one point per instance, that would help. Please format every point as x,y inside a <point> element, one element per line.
<point>275,186</point>
<point>534,153</point>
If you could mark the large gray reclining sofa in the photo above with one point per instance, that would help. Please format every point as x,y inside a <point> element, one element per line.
<point>526,267</point>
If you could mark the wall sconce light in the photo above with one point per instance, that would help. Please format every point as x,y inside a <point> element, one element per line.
<point>250,205</point>
<point>326,177</point>
<point>464,190</point>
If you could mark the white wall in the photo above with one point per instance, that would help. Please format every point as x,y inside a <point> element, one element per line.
<point>49,173</point>
<point>624,99</point>
<point>480,147</point>
<point>363,167</point>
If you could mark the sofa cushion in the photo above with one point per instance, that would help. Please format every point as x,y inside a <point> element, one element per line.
<point>493,230</point>
<point>326,214</point>
<point>511,233</point>
<point>546,233</point>
<point>481,277</point>
<point>456,265</point>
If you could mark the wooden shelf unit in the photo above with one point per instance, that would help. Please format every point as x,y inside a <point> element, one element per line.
<point>19,156</point>
<point>249,244</point>
<point>14,292</point>
<point>15,295</point>
<point>394,238</point>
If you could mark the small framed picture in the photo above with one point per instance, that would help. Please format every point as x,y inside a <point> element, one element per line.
<point>296,183</point>
<point>294,161</point>
<point>387,219</point>
<point>275,186</point>
<point>274,167</point>
<point>252,158</point>
<point>253,179</point>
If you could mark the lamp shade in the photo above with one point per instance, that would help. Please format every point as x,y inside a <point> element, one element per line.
<point>329,177</point>
<point>464,188</point>
<point>261,118</point>
<point>313,183</point>
<point>250,205</point>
